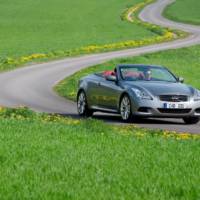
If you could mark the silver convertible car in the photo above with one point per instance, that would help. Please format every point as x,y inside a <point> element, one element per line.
<point>136,91</point>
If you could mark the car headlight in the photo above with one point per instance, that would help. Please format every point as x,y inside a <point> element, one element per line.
<point>141,94</point>
<point>197,95</point>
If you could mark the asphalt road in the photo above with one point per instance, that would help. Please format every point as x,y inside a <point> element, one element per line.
<point>32,86</point>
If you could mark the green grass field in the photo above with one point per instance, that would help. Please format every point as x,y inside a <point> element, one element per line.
<point>184,10</point>
<point>43,159</point>
<point>183,62</point>
<point>43,26</point>
<point>47,157</point>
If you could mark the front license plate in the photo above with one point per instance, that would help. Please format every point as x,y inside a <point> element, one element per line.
<point>174,105</point>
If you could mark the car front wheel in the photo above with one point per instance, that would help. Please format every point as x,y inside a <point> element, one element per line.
<point>191,120</point>
<point>125,108</point>
<point>82,106</point>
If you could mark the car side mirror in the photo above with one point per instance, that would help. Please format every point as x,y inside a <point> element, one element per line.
<point>180,79</point>
<point>111,78</point>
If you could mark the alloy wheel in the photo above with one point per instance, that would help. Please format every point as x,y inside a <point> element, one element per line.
<point>125,108</point>
<point>81,103</point>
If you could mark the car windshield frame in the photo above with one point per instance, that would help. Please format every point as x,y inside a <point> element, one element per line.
<point>146,68</point>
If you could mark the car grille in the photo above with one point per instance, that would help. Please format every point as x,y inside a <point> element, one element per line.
<point>174,98</point>
<point>174,111</point>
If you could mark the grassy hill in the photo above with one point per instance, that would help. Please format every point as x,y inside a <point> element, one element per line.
<point>185,11</point>
<point>35,26</point>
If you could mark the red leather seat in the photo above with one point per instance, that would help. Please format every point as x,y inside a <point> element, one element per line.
<point>139,75</point>
<point>109,73</point>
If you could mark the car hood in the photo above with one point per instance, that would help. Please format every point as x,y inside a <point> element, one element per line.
<point>160,88</point>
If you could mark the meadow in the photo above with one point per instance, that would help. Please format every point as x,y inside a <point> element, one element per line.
<point>50,157</point>
<point>31,26</point>
<point>184,11</point>
<point>182,62</point>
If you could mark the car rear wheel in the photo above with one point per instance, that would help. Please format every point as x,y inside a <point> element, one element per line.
<point>191,120</point>
<point>82,106</point>
<point>125,108</point>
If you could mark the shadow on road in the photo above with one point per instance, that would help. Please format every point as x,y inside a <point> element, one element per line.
<point>116,119</point>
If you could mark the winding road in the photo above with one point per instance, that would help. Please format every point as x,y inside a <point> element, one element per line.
<point>32,86</point>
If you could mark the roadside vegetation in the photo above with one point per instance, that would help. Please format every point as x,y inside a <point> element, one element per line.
<point>51,157</point>
<point>183,62</point>
<point>184,11</point>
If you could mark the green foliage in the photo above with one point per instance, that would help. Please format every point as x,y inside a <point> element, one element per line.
<point>183,62</point>
<point>185,11</point>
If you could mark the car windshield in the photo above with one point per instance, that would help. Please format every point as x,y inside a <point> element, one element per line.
<point>146,73</point>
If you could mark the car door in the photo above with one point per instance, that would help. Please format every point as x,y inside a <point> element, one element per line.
<point>108,94</point>
<point>93,91</point>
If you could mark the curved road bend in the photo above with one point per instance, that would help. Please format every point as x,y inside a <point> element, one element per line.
<point>33,86</point>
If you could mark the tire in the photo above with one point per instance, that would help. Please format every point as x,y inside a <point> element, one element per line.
<point>82,106</point>
<point>125,108</point>
<point>191,120</point>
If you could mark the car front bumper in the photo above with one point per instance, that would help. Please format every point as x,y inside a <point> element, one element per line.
<point>155,108</point>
